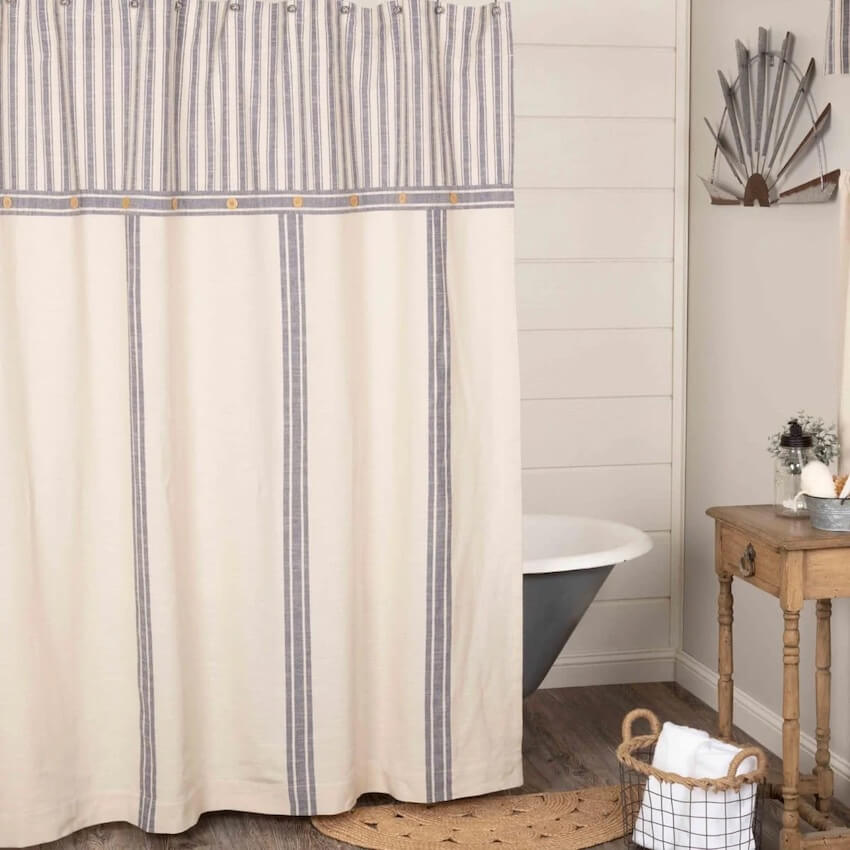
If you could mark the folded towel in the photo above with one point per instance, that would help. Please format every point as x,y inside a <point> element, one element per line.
<point>665,805</point>
<point>676,748</point>
<point>674,817</point>
<point>721,820</point>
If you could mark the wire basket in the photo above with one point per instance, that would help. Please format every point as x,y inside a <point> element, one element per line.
<point>665,811</point>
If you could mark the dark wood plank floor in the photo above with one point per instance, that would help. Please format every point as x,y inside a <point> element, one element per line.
<point>570,738</point>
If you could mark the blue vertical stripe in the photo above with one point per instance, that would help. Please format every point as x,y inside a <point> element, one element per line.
<point>296,577</point>
<point>438,606</point>
<point>144,639</point>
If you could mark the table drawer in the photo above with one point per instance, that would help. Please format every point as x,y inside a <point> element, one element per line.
<point>750,559</point>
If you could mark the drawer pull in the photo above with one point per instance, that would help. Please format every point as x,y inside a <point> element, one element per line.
<point>748,561</point>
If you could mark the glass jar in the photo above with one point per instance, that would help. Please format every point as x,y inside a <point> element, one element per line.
<point>795,451</point>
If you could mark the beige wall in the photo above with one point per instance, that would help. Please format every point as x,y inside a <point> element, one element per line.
<point>599,117</point>
<point>765,319</point>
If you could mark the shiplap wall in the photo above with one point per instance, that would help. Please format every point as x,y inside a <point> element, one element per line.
<point>597,87</point>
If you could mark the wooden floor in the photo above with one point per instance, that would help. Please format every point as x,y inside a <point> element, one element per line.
<point>570,738</point>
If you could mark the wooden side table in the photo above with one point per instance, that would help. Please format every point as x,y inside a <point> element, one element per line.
<point>792,561</point>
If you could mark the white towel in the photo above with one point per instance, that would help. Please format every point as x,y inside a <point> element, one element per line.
<point>664,808</point>
<point>721,820</point>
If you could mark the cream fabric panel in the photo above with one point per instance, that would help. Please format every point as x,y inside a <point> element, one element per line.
<point>367,326</point>
<point>261,490</point>
<point>486,496</point>
<point>369,482</point>
<point>211,327</point>
<point>69,718</point>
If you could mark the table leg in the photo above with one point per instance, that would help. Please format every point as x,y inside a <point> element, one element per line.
<point>725,664</point>
<point>823,679</point>
<point>789,838</point>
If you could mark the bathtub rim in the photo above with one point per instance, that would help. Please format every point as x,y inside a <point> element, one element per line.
<point>618,544</point>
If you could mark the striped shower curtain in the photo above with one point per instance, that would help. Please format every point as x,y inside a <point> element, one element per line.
<point>259,473</point>
<point>837,59</point>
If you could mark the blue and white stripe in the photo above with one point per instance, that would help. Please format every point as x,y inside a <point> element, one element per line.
<point>144,635</point>
<point>438,615</point>
<point>314,203</point>
<point>211,95</point>
<point>296,544</point>
<point>838,38</point>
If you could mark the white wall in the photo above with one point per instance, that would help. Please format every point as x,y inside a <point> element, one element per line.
<point>765,316</point>
<point>600,281</point>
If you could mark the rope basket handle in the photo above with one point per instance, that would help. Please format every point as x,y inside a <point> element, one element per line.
<point>640,714</point>
<point>629,754</point>
<point>760,757</point>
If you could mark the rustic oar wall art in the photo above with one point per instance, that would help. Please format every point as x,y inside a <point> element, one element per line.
<point>769,126</point>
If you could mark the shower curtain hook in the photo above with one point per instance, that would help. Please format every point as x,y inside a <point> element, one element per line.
<point>292,7</point>
<point>397,10</point>
<point>497,9</point>
<point>439,8</point>
<point>344,7</point>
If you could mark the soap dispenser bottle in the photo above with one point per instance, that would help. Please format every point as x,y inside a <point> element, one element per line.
<point>795,451</point>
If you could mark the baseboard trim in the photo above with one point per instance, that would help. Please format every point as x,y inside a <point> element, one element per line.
<point>756,719</point>
<point>611,668</point>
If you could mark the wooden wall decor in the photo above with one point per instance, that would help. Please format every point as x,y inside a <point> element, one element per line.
<point>768,127</point>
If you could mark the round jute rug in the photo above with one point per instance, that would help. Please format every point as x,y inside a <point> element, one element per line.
<point>567,820</point>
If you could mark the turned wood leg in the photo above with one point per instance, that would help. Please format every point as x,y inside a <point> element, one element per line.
<point>790,835</point>
<point>725,662</point>
<point>823,679</point>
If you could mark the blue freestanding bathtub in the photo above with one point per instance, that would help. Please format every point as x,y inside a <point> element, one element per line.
<point>565,561</point>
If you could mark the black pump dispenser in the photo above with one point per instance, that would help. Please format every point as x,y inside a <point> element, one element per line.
<point>795,437</point>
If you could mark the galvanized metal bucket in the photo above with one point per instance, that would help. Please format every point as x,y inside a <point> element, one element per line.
<point>829,514</point>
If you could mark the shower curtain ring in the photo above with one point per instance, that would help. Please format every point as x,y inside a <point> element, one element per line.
<point>497,9</point>
<point>178,5</point>
<point>397,10</point>
<point>439,8</point>
<point>292,7</point>
<point>344,8</point>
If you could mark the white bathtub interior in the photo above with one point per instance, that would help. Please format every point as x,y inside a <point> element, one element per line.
<point>554,543</point>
